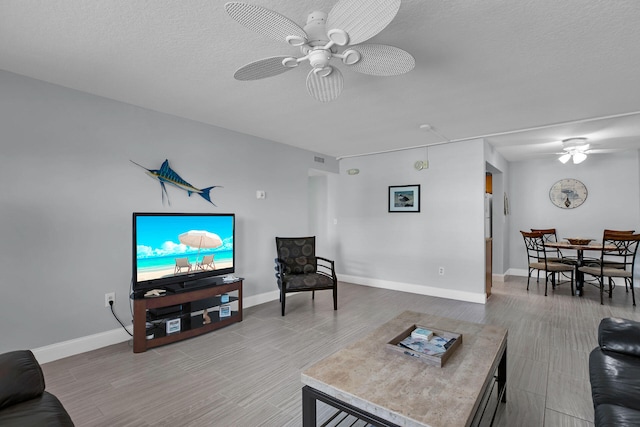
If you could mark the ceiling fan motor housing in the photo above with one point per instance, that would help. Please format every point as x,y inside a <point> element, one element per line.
<point>319,58</point>
<point>316,29</point>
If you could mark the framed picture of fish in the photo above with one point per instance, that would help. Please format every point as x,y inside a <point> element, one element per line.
<point>404,198</point>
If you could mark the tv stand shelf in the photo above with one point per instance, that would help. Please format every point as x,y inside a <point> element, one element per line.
<point>191,321</point>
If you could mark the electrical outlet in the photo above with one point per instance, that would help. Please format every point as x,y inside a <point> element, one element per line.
<point>441,271</point>
<point>111,296</point>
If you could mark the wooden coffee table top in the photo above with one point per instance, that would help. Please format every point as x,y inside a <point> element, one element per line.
<point>405,390</point>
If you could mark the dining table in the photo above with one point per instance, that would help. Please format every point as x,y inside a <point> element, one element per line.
<point>592,246</point>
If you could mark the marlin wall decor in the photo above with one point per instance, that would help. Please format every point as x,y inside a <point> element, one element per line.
<point>167,175</point>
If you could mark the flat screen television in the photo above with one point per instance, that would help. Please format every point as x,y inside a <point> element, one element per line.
<point>181,248</point>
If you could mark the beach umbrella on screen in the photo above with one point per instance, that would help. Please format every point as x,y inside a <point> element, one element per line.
<point>200,239</point>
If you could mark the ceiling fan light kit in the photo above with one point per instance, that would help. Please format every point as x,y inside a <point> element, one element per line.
<point>349,23</point>
<point>576,148</point>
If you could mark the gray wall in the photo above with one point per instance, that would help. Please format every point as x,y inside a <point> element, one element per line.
<point>613,192</point>
<point>405,250</point>
<point>69,190</point>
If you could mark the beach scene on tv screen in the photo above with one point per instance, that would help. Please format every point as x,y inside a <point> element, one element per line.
<point>168,246</point>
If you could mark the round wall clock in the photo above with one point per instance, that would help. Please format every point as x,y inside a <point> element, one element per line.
<point>568,193</point>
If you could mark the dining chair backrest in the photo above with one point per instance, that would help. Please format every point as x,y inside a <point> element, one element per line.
<point>620,248</point>
<point>610,235</point>
<point>534,243</point>
<point>549,235</point>
<point>607,231</point>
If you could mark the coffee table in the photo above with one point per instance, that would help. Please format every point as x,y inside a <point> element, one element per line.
<point>387,388</point>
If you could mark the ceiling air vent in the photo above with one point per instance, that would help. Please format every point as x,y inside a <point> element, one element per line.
<point>318,159</point>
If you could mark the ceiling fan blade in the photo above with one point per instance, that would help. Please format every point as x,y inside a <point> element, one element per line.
<point>325,89</point>
<point>362,19</point>
<point>261,69</point>
<point>382,60</point>
<point>603,150</point>
<point>264,21</point>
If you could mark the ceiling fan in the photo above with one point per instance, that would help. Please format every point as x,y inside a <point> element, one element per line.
<point>576,148</point>
<point>349,23</point>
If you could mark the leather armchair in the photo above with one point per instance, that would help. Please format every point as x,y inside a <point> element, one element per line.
<point>23,401</point>
<point>614,371</point>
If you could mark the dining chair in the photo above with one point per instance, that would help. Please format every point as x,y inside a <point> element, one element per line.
<point>537,260</point>
<point>549,235</point>
<point>617,260</point>
<point>554,254</point>
<point>607,234</point>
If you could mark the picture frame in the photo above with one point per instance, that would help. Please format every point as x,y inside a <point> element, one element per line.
<point>404,198</point>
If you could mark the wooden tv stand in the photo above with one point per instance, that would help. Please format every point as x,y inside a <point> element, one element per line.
<point>192,304</point>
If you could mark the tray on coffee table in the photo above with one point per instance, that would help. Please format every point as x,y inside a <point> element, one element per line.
<point>431,351</point>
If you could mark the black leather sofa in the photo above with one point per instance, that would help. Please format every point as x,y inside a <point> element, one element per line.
<point>614,371</point>
<point>23,401</point>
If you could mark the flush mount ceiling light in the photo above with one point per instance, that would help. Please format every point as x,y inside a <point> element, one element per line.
<point>575,148</point>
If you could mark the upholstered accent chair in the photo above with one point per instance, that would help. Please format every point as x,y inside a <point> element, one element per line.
<point>299,269</point>
<point>537,260</point>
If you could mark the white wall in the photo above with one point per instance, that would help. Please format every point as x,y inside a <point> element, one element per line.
<point>613,189</point>
<point>404,250</point>
<point>69,190</point>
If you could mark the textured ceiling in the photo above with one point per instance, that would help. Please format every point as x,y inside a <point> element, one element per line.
<point>483,67</point>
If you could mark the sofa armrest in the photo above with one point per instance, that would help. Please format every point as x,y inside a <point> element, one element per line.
<point>619,335</point>
<point>21,377</point>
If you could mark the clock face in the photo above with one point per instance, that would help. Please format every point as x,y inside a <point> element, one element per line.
<point>568,193</point>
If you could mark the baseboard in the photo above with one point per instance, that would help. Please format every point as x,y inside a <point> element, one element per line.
<point>75,346</point>
<point>415,289</point>
<point>517,272</point>
<point>260,298</point>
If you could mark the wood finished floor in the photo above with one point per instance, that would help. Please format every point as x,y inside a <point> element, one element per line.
<point>248,374</point>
